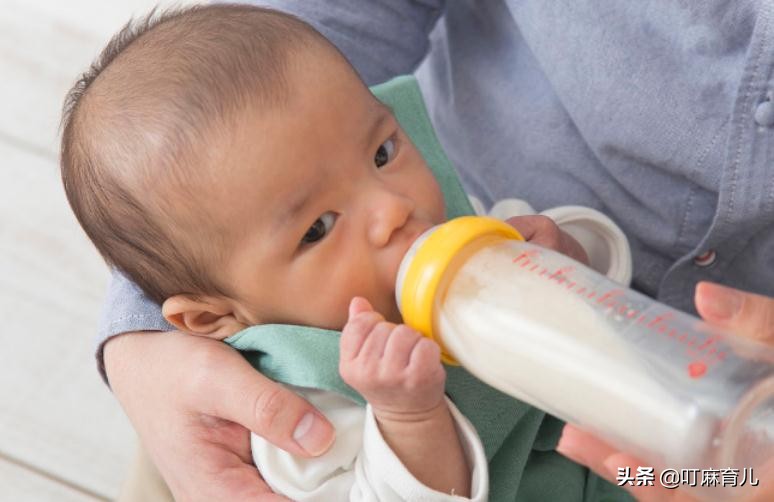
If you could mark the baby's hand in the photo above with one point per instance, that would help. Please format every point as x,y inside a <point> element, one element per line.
<point>397,370</point>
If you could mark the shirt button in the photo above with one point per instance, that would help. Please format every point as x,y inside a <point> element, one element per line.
<point>764,113</point>
<point>705,259</point>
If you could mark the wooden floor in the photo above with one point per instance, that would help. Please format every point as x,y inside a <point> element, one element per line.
<point>62,435</point>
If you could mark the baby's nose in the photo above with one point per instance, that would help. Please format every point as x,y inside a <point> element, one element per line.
<point>388,214</point>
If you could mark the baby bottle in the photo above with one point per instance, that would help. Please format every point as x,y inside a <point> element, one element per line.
<point>651,380</point>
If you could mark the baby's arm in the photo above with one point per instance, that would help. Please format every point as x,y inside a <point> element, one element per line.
<point>360,466</point>
<point>399,373</point>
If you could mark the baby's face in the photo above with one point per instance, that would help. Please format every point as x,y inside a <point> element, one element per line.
<point>322,197</point>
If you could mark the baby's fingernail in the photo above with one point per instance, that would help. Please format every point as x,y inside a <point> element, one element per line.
<point>313,434</point>
<point>720,302</point>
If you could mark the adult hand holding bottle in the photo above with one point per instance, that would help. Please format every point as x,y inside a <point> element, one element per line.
<point>745,314</point>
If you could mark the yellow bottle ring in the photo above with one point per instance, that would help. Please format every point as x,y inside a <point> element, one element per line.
<point>432,259</point>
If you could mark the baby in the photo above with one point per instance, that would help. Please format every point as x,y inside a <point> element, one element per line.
<point>231,162</point>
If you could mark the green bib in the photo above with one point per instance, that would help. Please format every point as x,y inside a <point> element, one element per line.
<point>519,439</point>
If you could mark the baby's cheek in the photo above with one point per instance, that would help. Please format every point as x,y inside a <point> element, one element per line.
<point>324,311</point>
<point>339,318</point>
<point>436,204</point>
<point>389,309</point>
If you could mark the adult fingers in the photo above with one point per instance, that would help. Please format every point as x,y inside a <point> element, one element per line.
<point>536,228</point>
<point>743,313</point>
<point>585,449</point>
<point>200,456</point>
<point>229,388</point>
<point>543,231</point>
<point>626,466</point>
<point>609,463</point>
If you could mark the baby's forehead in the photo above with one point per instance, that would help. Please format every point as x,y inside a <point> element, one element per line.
<point>284,145</point>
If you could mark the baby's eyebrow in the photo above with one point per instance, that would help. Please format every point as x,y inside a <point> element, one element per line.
<point>295,204</point>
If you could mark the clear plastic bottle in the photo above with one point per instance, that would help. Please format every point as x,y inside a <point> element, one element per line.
<point>537,325</point>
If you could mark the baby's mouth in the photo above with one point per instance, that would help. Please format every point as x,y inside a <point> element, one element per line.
<point>411,238</point>
<point>414,234</point>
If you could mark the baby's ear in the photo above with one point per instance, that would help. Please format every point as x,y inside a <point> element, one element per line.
<point>202,316</point>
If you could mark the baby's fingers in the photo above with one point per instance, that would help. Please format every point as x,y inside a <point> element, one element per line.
<point>359,305</point>
<point>361,322</point>
<point>373,346</point>
<point>397,351</point>
<point>426,355</point>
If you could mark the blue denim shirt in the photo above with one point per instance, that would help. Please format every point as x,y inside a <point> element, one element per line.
<point>660,114</point>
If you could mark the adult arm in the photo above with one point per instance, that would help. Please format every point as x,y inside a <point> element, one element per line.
<point>745,314</point>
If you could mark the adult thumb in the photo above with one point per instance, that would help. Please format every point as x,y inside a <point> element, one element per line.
<point>743,313</point>
<point>243,395</point>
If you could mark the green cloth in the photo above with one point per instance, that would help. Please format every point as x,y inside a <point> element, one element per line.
<point>519,439</point>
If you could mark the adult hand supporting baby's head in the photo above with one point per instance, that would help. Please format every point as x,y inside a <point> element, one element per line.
<point>193,402</point>
<point>744,314</point>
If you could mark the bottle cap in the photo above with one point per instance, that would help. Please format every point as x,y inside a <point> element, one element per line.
<point>426,262</point>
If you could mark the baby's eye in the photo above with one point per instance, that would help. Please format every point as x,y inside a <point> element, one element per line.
<point>384,153</point>
<point>319,228</point>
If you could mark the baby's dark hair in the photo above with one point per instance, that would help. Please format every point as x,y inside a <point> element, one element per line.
<point>138,116</point>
